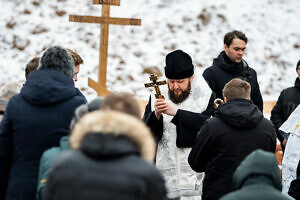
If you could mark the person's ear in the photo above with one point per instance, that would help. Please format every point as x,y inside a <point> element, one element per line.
<point>191,78</point>
<point>226,48</point>
<point>225,99</point>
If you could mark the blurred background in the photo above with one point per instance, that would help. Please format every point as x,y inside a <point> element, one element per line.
<point>28,27</point>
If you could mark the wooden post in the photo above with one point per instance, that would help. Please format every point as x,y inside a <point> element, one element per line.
<point>104,20</point>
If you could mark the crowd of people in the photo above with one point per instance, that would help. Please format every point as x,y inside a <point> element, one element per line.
<point>54,145</point>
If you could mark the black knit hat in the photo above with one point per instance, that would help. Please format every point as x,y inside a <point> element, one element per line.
<point>179,65</point>
<point>58,58</point>
<point>297,65</point>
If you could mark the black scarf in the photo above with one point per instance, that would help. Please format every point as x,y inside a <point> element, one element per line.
<point>230,66</point>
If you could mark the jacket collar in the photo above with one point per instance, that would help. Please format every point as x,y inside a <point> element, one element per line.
<point>239,113</point>
<point>47,87</point>
<point>105,146</point>
<point>224,62</point>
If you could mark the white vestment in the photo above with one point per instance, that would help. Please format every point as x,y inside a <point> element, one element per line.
<point>292,151</point>
<point>172,161</point>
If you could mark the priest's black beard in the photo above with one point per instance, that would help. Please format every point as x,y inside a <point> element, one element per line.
<point>183,96</point>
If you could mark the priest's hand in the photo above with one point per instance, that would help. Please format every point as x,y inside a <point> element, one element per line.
<point>171,109</point>
<point>160,107</point>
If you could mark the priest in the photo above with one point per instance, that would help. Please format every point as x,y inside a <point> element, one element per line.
<point>175,121</point>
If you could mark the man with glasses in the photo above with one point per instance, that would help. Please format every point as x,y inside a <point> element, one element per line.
<point>230,64</point>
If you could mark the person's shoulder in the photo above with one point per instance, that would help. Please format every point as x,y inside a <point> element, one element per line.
<point>14,101</point>
<point>68,157</point>
<point>247,66</point>
<point>289,89</point>
<point>15,97</point>
<point>50,154</point>
<point>210,69</point>
<point>80,97</point>
<point>213,122</point>
<point>230,196</point>
<point>147,169</point>
<point>209,72</point>
<point>79,93</point>
<point>267,124</point>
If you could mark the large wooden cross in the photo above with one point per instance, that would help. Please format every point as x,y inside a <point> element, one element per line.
<point>104,20</point>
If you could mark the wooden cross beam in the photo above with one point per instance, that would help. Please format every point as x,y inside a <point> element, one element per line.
<point>156,85</point>
<point>104,20</point>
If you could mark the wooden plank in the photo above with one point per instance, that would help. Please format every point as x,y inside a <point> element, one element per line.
<point>103,48</point>
<point>268,106</point>
<point>98,87</point>
<point>105,20</point>
<point>107,2</point>
<point>142,104</point>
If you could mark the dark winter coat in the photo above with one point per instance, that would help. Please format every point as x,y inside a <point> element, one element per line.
<point>257,178</point>
<point>34,121</point>
<point>225,140</point>
<point>294,190</point>
<point>288,100</point>
<point>223,70</point>
<point>108,165</point>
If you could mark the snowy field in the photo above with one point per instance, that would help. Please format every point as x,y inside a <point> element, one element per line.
<point>195,26</point>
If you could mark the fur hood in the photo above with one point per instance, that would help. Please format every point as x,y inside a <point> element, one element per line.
<point>115,123</point>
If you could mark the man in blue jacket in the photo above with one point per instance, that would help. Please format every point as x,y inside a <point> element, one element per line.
<point>35,120</point>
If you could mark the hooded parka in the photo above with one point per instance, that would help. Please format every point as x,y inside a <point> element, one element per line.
<point>110,161</point>
<point>237,129</point>
<point>257,178</point>
<point>34,121</point>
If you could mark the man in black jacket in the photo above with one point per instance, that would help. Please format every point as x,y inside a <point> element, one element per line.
<point>288,100</point>
<point>225,140</point>
<point>230,64</point>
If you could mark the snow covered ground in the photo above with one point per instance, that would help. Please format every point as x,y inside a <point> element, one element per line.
<point>195,26</point>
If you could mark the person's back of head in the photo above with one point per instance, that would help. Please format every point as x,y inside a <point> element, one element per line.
<point>257,177</point>
<point>76,57</point>
<point>258,163</point>
<point>59,59</point>
<point>32,65</point>
<point>123,102</point>
<point>236,88</point>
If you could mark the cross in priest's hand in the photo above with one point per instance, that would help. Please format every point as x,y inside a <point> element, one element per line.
<point>156,85</point>
<point>104,20</point>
